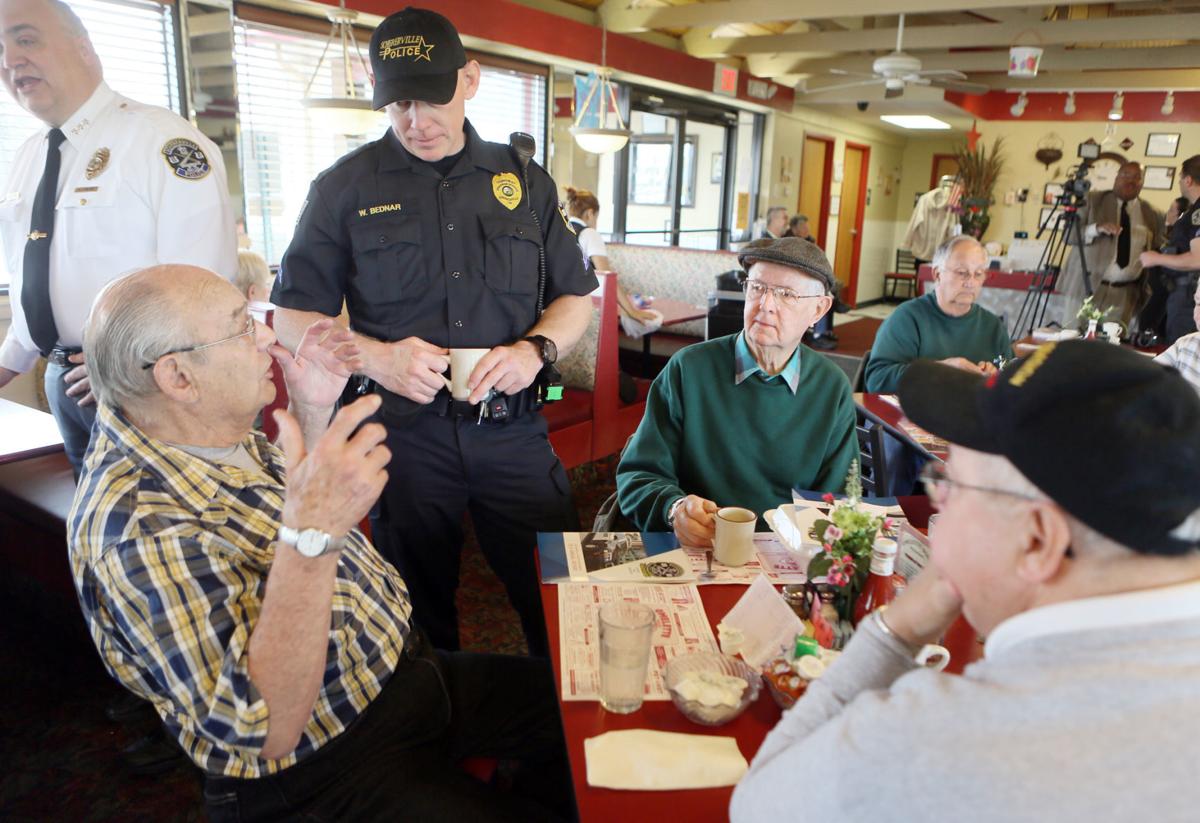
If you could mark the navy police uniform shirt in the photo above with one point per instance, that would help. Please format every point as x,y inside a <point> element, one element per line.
<point>1184,230</point>
<point>453,261</point>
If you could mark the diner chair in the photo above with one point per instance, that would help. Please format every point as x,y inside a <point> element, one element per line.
<point>872,457</point>
<point>905,274</point>
<point>859,383</point>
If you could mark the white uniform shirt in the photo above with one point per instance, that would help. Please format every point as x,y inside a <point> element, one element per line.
<point>592,245</point>
<point>148,198</point>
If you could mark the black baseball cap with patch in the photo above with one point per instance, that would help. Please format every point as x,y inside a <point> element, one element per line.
<point>416,55</point>
<point>1105,432</point>
<point>794,252</point>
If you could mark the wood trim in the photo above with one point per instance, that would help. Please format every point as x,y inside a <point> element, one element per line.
<point>933,167</point>
<point>856,254</point>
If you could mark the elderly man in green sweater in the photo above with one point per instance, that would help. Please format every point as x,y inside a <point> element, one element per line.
<point>944,324</point>
<point>741,420</point>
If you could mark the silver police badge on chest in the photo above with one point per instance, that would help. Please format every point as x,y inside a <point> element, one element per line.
<point>186,159</point>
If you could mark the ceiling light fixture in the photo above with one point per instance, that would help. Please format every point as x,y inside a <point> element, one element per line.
<point>1117,112</point>
<point>914,121</point>
<point>1069,106</point>
<point>1168,106</point>
<point>1018,108</point>
<point>601,139</point>
<point>348,113</point>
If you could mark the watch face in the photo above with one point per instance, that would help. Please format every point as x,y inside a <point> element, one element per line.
<point>549,350</point>
<point>312,542</point>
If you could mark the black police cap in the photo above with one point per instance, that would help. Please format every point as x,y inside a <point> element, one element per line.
<point>1105,432</point>
<point>416,55</point>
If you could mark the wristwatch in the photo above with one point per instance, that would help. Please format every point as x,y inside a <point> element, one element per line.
<point>671,512</point>
<point>546,347</point>
<point>310,542</point>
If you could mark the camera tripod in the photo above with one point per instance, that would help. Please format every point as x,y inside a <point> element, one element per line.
<point>1066,231</point>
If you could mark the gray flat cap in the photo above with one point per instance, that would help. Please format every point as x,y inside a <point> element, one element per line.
<point>795,252</point>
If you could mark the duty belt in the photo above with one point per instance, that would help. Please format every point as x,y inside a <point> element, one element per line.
<point>59,355</point>
<point>519,404</point>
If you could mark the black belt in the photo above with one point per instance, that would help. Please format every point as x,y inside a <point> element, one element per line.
<point>519,404</point>
<point>59,355</point>
<point>1118,284</point>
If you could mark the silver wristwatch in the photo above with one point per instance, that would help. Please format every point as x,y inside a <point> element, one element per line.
<point>310,542</point>
<point>671,512</point>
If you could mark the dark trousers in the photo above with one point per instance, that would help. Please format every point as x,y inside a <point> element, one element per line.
<point>1153,315</point>
<point>1180,303</point>
<point>508,478</point>
<point>400,759</point>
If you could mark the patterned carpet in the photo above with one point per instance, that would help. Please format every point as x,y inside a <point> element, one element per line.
<point>60,754</point>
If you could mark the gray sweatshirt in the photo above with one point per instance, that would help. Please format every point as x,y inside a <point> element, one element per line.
<point>1081,711</point>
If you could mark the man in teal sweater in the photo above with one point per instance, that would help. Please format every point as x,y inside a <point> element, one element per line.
<point>741,420</point>
<point>944,324</point>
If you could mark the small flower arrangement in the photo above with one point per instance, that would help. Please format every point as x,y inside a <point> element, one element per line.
<point>1089,311</point>
<point>846,538</point>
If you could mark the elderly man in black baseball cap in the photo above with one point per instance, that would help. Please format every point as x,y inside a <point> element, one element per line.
<point>1069,537</point>
<point>742,420</point>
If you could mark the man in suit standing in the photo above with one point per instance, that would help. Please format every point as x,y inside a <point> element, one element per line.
<point>1117,226</point>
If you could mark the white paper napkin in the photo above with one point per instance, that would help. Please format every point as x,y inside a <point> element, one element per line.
<point>649,760</point>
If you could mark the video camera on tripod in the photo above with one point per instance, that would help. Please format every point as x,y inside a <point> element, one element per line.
<point>1076,188</point>
<point>1065,230</point>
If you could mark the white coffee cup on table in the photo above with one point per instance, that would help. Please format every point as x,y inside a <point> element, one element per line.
<point>733,544</point>
<point>462,363</point>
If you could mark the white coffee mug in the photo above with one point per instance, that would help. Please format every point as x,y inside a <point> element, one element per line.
<point>1112,331</point>
<point>733,544</point>
<point>933,656</point>
<point>462,363</point>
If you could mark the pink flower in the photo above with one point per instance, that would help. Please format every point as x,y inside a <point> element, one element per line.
<point>888,524</point>
<point>827,497</point>
<point>833,533</point>
<point>827,547</point>
<point>836,578</point>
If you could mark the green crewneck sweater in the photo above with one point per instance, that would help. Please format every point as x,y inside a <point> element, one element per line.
<point>919,328</point>
<point>737,445</point>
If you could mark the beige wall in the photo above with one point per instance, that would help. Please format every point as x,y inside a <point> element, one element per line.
<point>1022,169</point>
<point>783,146</point>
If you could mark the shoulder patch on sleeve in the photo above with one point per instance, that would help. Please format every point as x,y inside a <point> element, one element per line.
<point>1196,217</point>
<point>186,159</point>
<point>562,212</point>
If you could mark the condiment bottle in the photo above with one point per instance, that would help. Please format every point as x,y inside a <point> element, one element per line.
<point>880,587</point>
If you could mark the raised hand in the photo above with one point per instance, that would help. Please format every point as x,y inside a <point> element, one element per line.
<point>333,485</point>
<point>326,357</point>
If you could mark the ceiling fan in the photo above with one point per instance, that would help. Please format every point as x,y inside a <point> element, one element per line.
<point>897,69</point>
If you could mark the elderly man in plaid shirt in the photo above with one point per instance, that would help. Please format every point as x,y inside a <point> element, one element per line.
<point>225,581</point>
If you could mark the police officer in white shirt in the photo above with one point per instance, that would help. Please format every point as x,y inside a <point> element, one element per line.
<point>109,186</point>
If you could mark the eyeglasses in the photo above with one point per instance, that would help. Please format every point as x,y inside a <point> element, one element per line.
<point>965,275</point>
<point>938,483</point>
<point>756,290</point>
<point>251,328</point>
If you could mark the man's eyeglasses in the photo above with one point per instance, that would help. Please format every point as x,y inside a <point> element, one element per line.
<point>966,276</point>
<point>251,327</point>
<point>756,290</point>
<point>938,483</point>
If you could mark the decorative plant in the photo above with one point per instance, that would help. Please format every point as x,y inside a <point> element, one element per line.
<point>846,538</point>
<point>978,170</point>
<point>1089,311</point>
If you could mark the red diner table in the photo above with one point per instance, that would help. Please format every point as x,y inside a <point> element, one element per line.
<point>585,719</point>
<point>673,312</point>
<point>893,420</point>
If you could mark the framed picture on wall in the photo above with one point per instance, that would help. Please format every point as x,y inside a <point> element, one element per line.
<point>1161,144</point>
<point>1051,194</point>
<point>1159,178</point>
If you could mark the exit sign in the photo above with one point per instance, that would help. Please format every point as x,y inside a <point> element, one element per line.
<point>725,80</point>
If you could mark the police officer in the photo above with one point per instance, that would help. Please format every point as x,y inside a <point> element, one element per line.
<point>1182,255</point>
<point>433,238</point>
<point>109,185</point>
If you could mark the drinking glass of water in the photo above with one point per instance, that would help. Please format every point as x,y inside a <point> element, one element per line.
<point>626,630</point>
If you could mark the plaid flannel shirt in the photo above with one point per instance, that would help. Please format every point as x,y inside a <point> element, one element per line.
<point>1184,355</point>
<point>170,555</point>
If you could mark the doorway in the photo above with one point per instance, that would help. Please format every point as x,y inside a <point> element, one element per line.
<point>943,164</point>
<point>850,219</point>
<point>816,167</point>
